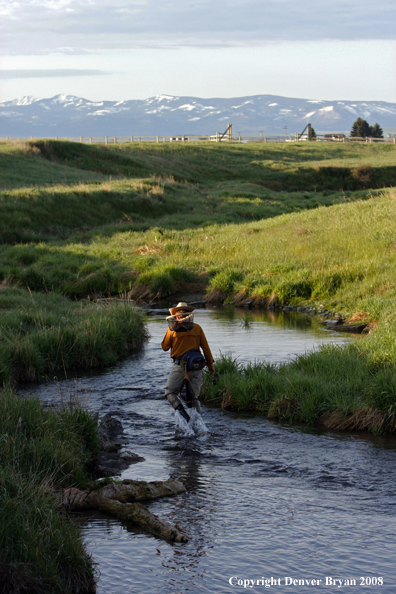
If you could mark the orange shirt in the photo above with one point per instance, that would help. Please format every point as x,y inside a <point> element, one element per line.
<point>181,342</point>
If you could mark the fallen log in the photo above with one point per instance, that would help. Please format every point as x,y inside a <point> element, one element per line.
<point>126,491</point>
<point>140,515</point>
<point>119,499</point>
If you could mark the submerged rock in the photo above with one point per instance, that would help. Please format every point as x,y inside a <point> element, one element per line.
<point>113,463</point>
<point>111,460</point>
<point>111,433</point>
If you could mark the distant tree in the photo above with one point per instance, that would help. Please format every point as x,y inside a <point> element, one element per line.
<point>360,129</point>
<point>376,131</point>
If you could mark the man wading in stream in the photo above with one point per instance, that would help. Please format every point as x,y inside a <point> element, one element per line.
<point>185,339</point>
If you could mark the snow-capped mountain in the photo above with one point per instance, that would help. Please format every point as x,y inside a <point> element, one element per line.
<point>66,115</point>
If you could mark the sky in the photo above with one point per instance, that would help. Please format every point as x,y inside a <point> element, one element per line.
<point>135,49</point>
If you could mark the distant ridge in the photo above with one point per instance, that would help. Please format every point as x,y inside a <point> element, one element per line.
<point>67,115</point>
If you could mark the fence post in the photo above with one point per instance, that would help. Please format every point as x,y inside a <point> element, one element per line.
<point>297,137</point>
<point>81,138</point>
<point>157,139</point>
<point>265,139</point>
<point>309,132</point>
<point>106,139</point>
<point>217,136</point>
<point>229,132</point>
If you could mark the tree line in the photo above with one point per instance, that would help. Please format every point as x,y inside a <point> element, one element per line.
<point>362,129</point>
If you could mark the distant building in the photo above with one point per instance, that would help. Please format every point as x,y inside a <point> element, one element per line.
<point>334,136</point>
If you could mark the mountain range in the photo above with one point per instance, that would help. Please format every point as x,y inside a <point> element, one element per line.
<point>165,115</point>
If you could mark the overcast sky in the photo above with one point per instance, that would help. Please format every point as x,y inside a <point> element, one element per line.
<point>134,49</point>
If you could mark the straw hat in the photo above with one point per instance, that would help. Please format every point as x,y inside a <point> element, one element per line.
<point>180,306</point>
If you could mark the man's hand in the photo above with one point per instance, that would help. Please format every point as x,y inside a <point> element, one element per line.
<point>211,369</point>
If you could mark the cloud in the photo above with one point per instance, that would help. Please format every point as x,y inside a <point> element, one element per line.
<point>49,73</point>
<point>41,26</point>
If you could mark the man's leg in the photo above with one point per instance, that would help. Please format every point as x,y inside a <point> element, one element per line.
<point>175,380</point>
<point>177,405</point>
<point>195,378</point>
<point>172,399</point>
<point>172,388</point>
<point>195,404</point>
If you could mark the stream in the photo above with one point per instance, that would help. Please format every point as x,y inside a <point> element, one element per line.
<point>269,507</point>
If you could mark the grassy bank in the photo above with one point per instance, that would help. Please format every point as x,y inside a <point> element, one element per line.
<point>342,389</point>
<point>45,333</point>
<point>41,450</point>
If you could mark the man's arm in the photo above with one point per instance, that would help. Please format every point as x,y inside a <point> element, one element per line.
<point>206,349</point>
<point>167,342</point>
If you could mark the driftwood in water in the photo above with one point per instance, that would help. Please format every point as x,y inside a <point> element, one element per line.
<point>119,499</point>
<point>126,491</point>
<point>140,515</point>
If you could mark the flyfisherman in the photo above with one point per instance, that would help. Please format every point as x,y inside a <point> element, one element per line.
<point>185,339</point>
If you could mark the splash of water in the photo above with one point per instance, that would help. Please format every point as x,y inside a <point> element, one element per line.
<point>197,423</point>
<point>182,425</point>
<point>194,427</point>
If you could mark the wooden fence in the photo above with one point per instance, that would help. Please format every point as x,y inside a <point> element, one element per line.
<point>209,138</point>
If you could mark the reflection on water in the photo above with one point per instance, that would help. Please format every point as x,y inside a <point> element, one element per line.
<point>263,499</point>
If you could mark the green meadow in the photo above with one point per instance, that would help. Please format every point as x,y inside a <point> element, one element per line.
<point>273,224</point>
<point>277,223</point>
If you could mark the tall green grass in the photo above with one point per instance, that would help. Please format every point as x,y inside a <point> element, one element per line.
<point>342,388</point>
<point>41,450</point>
<point>45,333</point>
